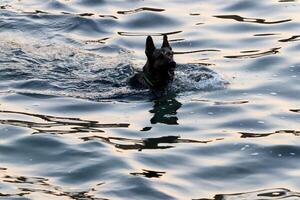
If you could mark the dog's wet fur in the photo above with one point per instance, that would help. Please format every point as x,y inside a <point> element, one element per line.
<point>158,71</point>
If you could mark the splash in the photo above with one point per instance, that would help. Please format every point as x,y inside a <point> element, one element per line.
<point>194,77</point>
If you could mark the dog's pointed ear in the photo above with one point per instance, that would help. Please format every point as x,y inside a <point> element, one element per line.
<point>166,43</point>
<point>149,47</point>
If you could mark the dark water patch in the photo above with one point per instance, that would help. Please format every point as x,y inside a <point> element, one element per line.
<point>143,144</point>
<point>35,84</point>
<point>149,174</point>
<point>36,12</point>
<point>140,10</point>
<point>287,151</point>
<point>276,193</point>
<point>176,40</point>
<point>58,125</point>
<point>195,14</point>
<point>146,34</point>
<point>251,20</point>
<point>149,21</point>
<point>230,173</point>
<point>35,96</point>
<point>3,7</point>
<point>28,187</point>
<point>266,34</point>
<point>295,110</point>
<point>146,128</point>
<point>92,171</point>
<point>83,25</point>
<point>90,15</point>
<point>257,55</point>
<point>79,107</point>
<point>11,132</point>
<point>86,14</point>
<point>242,6</point>
<point>165,110</point>
<point>109,16</point>
<point>291,39</point>
<point>90,3</point>
<point>250,51</point>
<point>140,189</point>
<point>257,135</point>
<point>199,23</point>
<point>38,149</point>
<point>57,5</point>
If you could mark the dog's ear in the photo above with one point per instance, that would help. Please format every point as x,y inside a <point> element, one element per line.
<point>166,43</point>
<point>149,47</point>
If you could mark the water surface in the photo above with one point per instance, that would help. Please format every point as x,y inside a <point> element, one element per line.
<point>72,128</point>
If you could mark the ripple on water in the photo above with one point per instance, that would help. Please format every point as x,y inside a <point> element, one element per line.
<point>83,25</point>
<point>89,3</point>
<point>243,5</point>
<point>149,20</point>
<point>116,142</point>
<point>274,193</point>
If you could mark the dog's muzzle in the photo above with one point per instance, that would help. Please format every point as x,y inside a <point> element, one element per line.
<point>172,64</point>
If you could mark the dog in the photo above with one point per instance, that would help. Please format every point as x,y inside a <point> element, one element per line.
<point>158,72</point>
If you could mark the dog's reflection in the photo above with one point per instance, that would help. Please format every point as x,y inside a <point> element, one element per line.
<point>165,110</point>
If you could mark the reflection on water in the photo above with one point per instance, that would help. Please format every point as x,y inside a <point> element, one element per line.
<point>256,135</point>
<point>58,125</point>
<point>72,128</point>
<point>256,55</point>
<point>295,110</point>
<point>140,10</point>
<point>251,20</point>
<point>149,174</point>
<point>165,110</point>
<point>146,34</point>
<point>291,39</point>
<point>38,186</point>
<point>277,193</point>
<point>147,143</point>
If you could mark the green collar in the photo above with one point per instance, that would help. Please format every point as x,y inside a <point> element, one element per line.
<point>149,82</point>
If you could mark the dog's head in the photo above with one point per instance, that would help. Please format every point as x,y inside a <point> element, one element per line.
<point>160,63</point>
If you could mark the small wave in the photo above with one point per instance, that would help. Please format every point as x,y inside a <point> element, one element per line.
<point>276,193</point>
<point>193,77</point>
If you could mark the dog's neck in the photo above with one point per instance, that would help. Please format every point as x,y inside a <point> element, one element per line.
<point>153,80</point>
<point>148,78</point>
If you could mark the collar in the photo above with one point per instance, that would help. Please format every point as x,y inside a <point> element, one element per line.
<point>150,82</point>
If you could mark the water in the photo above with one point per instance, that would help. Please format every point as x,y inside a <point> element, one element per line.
<point>72,128</point>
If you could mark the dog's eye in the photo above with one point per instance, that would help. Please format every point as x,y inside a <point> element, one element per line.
<point>161,55</point>
<point>169,53</point>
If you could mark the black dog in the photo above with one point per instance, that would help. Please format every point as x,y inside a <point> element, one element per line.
<point>158,71</point>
